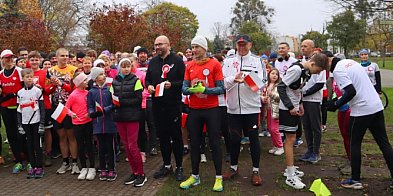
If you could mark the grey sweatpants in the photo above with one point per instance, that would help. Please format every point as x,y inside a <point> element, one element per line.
<point>312,126</point>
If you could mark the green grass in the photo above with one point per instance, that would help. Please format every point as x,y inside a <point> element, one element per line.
<point>388,62</point>
<point>332,146</point>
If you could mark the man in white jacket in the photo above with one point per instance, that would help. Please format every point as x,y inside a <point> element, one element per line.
<point>244,103</point>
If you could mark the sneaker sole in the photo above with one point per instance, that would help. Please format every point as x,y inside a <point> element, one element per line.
<point>103,179</point>
<point>129,183</point>
<point>140,185</point>
<point>218,190</point>
<point>111,179</point>
<point>352,187</point>
<point>192,185</point>
<point>298,188</point>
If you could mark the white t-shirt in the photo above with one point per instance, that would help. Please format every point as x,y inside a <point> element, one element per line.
<point>315,78</point>
<point>28,104</point>
<point>292,75</point>
<point>366,100</point>
<point>370,70</point>
<point>284,65</point>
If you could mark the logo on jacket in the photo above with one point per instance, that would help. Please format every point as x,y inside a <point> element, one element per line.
<point>165,70</point>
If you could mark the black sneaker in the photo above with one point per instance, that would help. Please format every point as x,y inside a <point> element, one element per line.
<point>162,172</point>
<point>186,151</point>
<point>179,174</point>
<point>112,175</point>
<point>153,151</point>
<point>140,180</point>
<point>130,180</point>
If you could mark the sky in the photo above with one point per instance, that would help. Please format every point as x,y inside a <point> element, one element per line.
<point>292,17</point>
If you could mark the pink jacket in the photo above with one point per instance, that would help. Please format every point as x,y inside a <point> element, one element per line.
<point>142,75</point>
<point>112,73</point>
<point>77,103</point>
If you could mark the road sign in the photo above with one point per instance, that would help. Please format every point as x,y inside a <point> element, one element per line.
<point>386,22</point>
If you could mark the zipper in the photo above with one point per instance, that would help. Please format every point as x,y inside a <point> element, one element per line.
<point>238,86</point>
<point>103,115</point>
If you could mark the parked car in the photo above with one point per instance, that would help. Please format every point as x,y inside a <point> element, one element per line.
<point>374,54</point>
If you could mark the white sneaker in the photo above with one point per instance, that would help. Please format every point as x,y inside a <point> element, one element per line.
<point>143,155</point>
<point>64,168</point>
<point>83,174</point>
<point>75,169</point>
<point>279,151</point>
<point>260,134</point>
<point>298,173</point>
<point>203,158</point>
<point>295,182</point>
<point>91,174</point>
<point>274,149</point>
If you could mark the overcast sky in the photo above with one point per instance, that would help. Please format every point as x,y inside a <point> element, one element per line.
<point>291,17</point>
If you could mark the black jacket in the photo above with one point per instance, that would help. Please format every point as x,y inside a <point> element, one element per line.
<point>172,96</point>
<point>130,100</point>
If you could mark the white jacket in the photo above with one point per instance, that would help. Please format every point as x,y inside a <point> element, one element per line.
<point>240,98</point>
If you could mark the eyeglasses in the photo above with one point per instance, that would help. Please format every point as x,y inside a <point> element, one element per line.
<point>159,44</point>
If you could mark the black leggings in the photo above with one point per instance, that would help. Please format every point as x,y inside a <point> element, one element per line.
<point>195,121</point>
<point>142,136</point>
<point>225,128</point>
<point>106,151</point>
<point>84,138</point>
<point>16,141</point>
<point>324,111</point>
<point>168,124</point>
<point>34,151</point>
<point>239,123</point>
<point>357,128</point>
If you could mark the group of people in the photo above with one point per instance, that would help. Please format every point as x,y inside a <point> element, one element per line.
<point>184,101</point>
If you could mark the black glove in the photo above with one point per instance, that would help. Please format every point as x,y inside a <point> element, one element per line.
<point>7,97</point>
<point>96,114</point>
<point>331,105</point>
<point>41,129</point>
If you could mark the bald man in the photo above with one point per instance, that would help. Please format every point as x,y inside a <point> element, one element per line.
<point>312,98</point>
<point>307,48</point>
<point>167,69</point>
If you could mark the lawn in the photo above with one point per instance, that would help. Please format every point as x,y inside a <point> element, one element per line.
<point>332,152</point>
<point>388,62</point>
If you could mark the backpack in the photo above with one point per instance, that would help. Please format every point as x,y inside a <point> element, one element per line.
<point>305,75</point>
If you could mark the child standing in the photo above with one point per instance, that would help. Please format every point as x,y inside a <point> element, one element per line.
<point>99,101</point>
<point>272,100</point>
<point>128,88</point>
<point>31,118</point>
<point>82,126</point>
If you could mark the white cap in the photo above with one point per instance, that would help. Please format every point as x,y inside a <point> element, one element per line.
<point>98,61</point>
<point>6,53</point>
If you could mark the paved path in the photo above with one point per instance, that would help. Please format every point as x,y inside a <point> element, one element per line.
<point>67,184</point>
<point>387,78</point>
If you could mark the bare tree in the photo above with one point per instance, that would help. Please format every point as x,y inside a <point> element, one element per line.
<point>64,18</point>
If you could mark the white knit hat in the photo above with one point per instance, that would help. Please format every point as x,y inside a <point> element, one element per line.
<point>200,41</point>
<point>79,79</point>
<point>98,61</point>
<point>95,71</point>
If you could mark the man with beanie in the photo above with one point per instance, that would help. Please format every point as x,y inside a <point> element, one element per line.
<point>142,62</point>
<point>272,58</point>
<point>244,104</point>
<point>203,82</point>
<point>366,113</point>
<point>167,70</point>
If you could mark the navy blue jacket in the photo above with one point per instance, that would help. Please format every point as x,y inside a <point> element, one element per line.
<point>104,123</point>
